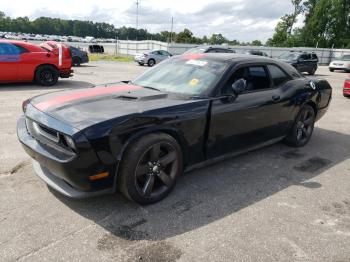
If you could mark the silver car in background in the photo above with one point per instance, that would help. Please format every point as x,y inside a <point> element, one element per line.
<point>342,63</point>
<point>152,57</point>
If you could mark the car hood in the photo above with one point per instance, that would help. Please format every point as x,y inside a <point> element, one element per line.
<point>81,108</point>
<point>340,62</point>
<point>287,61</point>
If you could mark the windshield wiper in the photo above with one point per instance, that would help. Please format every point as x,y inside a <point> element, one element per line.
<point>153,88</point>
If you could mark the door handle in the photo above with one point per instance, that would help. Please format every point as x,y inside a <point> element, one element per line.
<point>276,97</point>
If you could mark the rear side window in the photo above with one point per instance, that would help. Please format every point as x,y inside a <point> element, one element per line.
<point>278,76</point>
<point>21,49</point>
<point>213,50</point>
<point>305,57</point>
<point>314,56</point>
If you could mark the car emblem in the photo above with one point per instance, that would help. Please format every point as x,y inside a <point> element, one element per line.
<point>312,85</point>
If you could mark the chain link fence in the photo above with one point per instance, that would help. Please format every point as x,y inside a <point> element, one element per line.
<point>127,47</point>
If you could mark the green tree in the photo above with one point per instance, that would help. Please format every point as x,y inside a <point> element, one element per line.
<point>256,43</point>
<point>185,36</point>
<point>218,39</point>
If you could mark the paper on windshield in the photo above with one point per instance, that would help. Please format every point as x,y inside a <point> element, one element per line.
<point>197,62</point>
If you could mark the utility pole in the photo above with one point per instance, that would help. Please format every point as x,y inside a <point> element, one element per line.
<point>137,14</point>
<point>137,18</point>
<point>171,31</point>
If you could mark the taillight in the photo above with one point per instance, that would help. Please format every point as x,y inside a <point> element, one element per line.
<point>347,83</point>
<point>68,53</point>
<point>25,104</point>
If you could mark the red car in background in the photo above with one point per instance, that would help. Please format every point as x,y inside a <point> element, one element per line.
<point>346,89</point>
<point>25,62</point>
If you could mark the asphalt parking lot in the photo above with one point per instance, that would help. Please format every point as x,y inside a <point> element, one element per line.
<point>273,204</point>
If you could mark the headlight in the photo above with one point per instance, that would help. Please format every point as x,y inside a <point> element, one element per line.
<point>70,142</point>
<point>25,104</point>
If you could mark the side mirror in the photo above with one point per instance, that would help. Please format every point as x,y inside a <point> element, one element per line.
<point>239,86</point>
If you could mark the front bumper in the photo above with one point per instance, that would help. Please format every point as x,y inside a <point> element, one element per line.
<point>68,173</point>
<point>139,60</point>
<point>61,186</point>
<point>334,67</point>
<point>84,59</point>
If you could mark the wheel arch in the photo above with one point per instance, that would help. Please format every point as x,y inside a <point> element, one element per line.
<point>313,105</point>
<point>141,133</point>
<point>47,64</point>
<point>169,131</point>
<point>76,57</point>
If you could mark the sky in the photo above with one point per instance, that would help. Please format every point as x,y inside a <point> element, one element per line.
<point>244,20</point>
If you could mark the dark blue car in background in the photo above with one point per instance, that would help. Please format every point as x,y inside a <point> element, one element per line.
<point>78,56</point>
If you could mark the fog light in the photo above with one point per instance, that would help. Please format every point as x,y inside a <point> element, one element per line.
<point>99,176</point>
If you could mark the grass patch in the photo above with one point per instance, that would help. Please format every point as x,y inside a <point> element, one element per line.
<point>115,58</point>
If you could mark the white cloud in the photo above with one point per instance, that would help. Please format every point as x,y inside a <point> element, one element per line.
<point>244,20</point>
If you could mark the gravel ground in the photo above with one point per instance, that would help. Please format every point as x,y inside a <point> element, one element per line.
<point>273,204</point>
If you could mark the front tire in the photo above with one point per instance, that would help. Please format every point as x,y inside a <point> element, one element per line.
<point>150,168</point>
<point>46,75</point>
<point>331,69</point>
<point>151,62</point>
<point>302,128</point>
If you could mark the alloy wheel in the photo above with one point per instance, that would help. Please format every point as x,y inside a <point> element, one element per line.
<point>305,126</point>
<point>156,170</point>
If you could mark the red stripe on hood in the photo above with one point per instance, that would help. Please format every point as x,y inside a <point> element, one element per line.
<point>192,56</point>
<point>84,94</point>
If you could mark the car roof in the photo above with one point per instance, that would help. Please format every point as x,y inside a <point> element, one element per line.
<point>234,58</point>
<point>27,45</point>
<point>213,46</point>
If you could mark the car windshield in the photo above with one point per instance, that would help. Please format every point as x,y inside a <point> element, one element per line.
<point>180,75</point>
<point>345,58</point>
<point>197,50</point>
<point>289,56</point>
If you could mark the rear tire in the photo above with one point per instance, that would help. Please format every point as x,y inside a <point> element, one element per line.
<point>76,61</point>
<point>150,168</point>
<point>46,75</point>
<point>141,64</point>
<point>313,71</point>
<point>151,62</point>
<point>302,128</point>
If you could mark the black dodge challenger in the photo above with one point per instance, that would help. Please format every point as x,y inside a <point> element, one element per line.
<point>139,136</point>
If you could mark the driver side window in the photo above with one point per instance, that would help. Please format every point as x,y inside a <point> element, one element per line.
<point>255,77</point>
